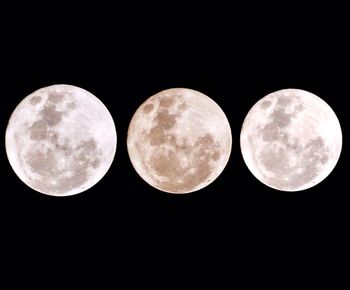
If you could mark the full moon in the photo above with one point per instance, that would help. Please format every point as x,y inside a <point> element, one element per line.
<point>291,140</point>
<point>60,140</point>
<point>179,140</point>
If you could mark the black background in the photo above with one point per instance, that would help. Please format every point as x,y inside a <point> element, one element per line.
<point>236,226</point>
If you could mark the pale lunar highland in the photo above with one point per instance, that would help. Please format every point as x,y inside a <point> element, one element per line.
<point>60,140</point>
<point>291,140</point>
<point>179,140</point>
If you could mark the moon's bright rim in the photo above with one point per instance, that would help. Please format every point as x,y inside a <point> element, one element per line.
<point>183,118</point>
<point>292,132</point>
<point>79,123</point>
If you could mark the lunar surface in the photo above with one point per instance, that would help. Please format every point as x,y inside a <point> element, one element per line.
<point>291,140</point>
<point>60,140</point>
<point>179,140</point>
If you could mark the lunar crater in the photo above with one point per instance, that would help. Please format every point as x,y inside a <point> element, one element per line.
<point>148,108</point>
<point>35,100</point>
<point>265,104</point>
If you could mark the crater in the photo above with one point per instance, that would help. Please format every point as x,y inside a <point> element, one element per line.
<point>38,130</point>
<point>205,141</point>
<point>183,106</point>
<point>148,108</point>
<point>265,104</point>
<point>96,163</point>
<point>71,105</point>
<point>35,100</point>
<point>216,155</point>
<point>299,108</point>
<point>324,159</point>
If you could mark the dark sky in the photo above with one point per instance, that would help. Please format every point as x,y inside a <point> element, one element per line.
<point>235,57</point>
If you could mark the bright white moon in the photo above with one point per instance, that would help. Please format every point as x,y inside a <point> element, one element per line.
<point>179,140</point>
<point>60,140</point>
<point>291,140</point>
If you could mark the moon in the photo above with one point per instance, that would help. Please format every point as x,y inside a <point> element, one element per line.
<point>291,140</point>
<point>179,140</point>
<point>60,140</point>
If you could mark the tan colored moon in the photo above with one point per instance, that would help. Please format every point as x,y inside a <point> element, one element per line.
<point>179,140</point>
<point>60,140</point>
<point>291,140</point>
